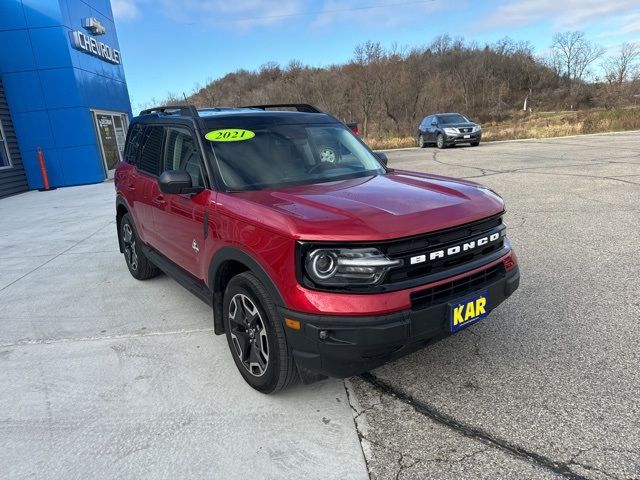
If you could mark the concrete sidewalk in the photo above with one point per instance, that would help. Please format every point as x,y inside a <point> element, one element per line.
<point>102,376</point>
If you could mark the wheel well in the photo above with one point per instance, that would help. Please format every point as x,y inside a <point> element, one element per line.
<point>224,274</point>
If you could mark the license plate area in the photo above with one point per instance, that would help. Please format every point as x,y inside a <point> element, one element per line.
<point>467,311</point>
<point>467,136</point>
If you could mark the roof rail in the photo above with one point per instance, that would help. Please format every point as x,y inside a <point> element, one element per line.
<point>300,107</point>
<point>186,110</point>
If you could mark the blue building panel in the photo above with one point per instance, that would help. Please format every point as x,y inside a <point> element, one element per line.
<point>51,47</point>
<point>32,168</point>
<point>63,64</point>
<point>25,90</point>
<point>16,54</point>
<point>42,13</point>
<point>72,127</point>
<point>82,165</point>
<point>33,130</point>
<point>12,15</point>
<point>60,88</point>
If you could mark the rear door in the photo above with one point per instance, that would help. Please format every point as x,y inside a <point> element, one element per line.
<point>146,183</point>
<point>181,222</point>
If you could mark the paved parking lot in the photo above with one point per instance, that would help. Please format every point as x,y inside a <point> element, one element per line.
<point>105,377</point>
<point>102,376</point>
<point>549,385</point>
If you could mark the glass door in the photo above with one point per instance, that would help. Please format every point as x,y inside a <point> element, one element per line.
<point>111,129</point>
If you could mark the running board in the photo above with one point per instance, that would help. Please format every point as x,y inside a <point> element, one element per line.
<point>184,278</point>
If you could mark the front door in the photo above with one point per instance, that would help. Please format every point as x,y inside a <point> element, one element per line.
<point>180,220</point>
<point>111,128</point>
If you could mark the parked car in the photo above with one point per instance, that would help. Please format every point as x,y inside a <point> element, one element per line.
<point>446,129</point>
<point>316,258</point>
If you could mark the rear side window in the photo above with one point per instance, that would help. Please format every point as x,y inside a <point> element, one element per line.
<point>180,153</point>
<point>151,155</point>
<point>134,140</point>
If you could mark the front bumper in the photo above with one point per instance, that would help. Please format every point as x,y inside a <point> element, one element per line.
<point>352,345</point>
<point>459,138</point>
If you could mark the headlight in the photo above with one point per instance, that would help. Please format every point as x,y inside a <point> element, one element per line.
<point>347,266</point>
<point>451,131</point>
<point>477,128</point>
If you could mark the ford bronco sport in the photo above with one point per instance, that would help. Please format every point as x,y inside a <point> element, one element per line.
<point>316,258</point>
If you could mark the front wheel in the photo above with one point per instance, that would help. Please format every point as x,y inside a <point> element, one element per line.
<point>421,142</point>
<point>440,141</point>
<point>475,144</point>
<point>256,335</point>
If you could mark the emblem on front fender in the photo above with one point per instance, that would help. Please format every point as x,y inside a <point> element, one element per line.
<point>195,246</point>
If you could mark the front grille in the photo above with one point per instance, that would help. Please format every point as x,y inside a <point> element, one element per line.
<point>424,244</point>
<point>456,288</point>
<point>465,130</point>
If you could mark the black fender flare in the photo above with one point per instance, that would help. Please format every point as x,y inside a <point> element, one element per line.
<point>222,256</point>
<point>121,202</point>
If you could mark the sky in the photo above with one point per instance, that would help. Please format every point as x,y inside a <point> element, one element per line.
<point>177,45</point>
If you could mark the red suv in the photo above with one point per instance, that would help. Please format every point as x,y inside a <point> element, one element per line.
<point>316,258</point>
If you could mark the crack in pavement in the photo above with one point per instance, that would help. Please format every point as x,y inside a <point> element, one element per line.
<point>559,468</point>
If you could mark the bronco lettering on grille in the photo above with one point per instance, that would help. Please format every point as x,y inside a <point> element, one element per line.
<point>456,249</point>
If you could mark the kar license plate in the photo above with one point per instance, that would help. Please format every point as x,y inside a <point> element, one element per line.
<point>468,311</point>
<point>467,136</point>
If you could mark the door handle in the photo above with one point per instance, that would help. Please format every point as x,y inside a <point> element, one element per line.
<point>131,187</point>
<point>159,201</point>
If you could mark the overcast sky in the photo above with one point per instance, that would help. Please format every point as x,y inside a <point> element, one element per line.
<point>172,45</point>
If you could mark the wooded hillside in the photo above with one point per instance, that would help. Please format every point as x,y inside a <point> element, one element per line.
<point>389,91</point>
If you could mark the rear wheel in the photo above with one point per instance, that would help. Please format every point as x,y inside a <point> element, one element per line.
<point>138,264</point>
<point>256,335</point>
<point>421,142</point>
<point>440,141</point>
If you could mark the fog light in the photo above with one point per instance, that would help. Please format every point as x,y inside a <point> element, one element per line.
<point>324,334</point>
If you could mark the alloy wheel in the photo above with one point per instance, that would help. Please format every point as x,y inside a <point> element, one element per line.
<point>421,141</point>
<point>129,240</point>
<point>249,334</point>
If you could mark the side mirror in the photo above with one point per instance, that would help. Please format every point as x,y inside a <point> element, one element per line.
<point>382,157</point>
<point>177,182</point>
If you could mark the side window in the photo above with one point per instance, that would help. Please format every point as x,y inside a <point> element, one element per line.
<point>150,157</point>
<point>180,153</point>
<point>134,140</point>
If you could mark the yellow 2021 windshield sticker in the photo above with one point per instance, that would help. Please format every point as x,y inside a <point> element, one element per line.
<point>229,135</point>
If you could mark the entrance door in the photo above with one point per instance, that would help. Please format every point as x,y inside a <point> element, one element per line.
<point>111,128</point>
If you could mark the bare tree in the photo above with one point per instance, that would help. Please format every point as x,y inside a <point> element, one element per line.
<point>368,57</point>
<point>573,53</point>
<point>624,66</point>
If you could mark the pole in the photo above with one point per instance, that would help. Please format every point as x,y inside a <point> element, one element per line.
<point>43,170</point>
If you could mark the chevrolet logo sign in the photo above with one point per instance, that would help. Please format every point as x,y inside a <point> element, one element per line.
<point>460,248</point>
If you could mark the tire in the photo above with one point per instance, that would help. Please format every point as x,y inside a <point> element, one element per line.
<point>475,144</point>
<point>440,142</point>
<point>255,332</point>
<point>138,264</point>
<point>421,142</point>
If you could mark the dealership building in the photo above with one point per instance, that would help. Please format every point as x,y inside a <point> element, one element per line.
<point>64,103</point>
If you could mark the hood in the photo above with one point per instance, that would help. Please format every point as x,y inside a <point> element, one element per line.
<point>459,125</point>
<point>382,207</point>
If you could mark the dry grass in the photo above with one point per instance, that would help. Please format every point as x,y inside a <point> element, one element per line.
<point>389,143</point>
<point>539,125</point>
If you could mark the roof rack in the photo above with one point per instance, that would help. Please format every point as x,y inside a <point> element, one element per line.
<point>187,110</point>
<point>300,107</point>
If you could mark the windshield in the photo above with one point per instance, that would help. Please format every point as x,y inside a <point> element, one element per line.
<point>452,118</point>
<point>291,154</point>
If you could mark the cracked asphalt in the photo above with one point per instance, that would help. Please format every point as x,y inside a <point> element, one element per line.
<point>548,386</point>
